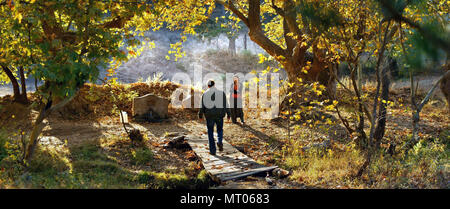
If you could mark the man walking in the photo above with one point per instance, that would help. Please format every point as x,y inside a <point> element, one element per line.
<point>214,107</point>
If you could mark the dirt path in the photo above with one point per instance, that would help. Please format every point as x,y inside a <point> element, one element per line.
<point>259,133</point>
<point>259,139</point>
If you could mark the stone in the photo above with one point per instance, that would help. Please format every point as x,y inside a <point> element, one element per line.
<point>323,145</point>
<point>150,108</point>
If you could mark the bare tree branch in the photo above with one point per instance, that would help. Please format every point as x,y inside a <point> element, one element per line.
<point>231,7</point>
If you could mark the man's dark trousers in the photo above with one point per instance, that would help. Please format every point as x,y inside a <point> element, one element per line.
<point>210,125</point>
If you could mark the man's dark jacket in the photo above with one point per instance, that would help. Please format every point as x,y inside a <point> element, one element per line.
<point>212,108</point>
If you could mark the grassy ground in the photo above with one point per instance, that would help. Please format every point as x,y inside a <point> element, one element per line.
<point>109,163</point>
<point>86,147</point>
<point>426,166</point>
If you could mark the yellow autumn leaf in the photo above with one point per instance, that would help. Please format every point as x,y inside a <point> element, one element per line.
<point>19,17</point>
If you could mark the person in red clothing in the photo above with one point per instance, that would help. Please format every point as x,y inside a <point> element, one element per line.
<point>236,101</point>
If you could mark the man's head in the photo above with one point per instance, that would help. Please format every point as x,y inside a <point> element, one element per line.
<point>210,83</point>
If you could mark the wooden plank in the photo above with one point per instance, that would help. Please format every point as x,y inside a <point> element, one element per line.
<point>227,165</point>
<point>124,117</point>
<point>246,173</point>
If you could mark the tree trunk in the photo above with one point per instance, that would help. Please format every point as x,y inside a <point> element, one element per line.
<point>23,95</point>
<point>322,74</point>
<point>372,149</point>
<point>293,56</point>
<point>217,44</point>
<point>39,125</point>
<point>15,84</point>
<point>232,45</point>
<point>445,85</point>
<point>381,124</point>
<point>357,87</point>
<point>245,41</point>
<point>417,108</point>
<point>37,129</point>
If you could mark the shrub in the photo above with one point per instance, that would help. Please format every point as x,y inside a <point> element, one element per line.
<point>47,161</point>
<point>320,167</point>
<point>3,140</point>
<point>142,156</point>
<point>173,181</point>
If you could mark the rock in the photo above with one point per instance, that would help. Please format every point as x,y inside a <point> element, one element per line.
<point>323,145</point>
<point>150,108</point>
<point>280,173</point>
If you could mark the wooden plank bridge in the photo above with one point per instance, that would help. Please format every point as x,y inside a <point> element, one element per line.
<point>230,164</point>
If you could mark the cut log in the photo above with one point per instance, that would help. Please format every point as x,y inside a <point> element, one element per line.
<point>238,175</point>
<point>178,142</point>
<point>136,135</point>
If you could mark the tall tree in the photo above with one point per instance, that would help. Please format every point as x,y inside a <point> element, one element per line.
<point>221,23</point>
<point>68,41</point>
<point>284,36</point>
<point>15,51</point>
